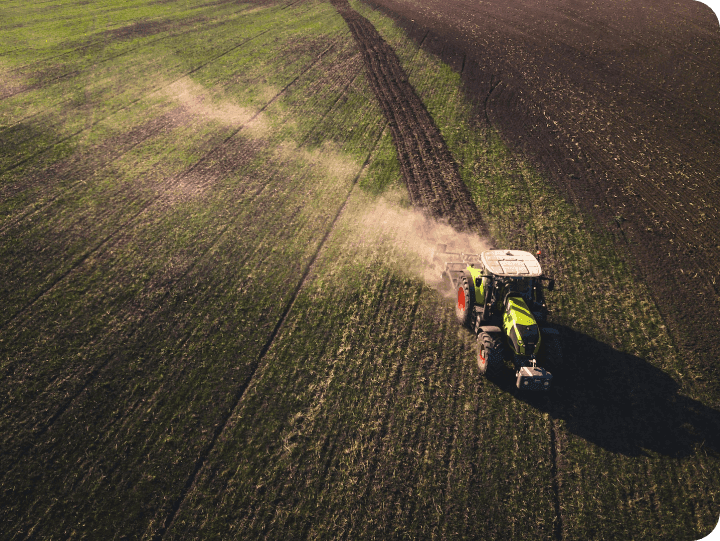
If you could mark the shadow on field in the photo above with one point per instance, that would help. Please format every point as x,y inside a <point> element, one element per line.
<point>620,402</point>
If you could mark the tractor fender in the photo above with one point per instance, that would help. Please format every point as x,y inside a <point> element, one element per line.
<point>471,286</point>
<point>490,329</point>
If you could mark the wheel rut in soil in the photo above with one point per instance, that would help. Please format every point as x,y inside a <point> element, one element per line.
<point>427,166</point>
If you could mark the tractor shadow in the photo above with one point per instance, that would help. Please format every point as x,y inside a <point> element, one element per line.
<point>619,402</point>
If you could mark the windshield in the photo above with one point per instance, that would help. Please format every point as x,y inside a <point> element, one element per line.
<point>521,285</point>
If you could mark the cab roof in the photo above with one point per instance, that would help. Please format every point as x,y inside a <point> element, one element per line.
<point>511,263</point>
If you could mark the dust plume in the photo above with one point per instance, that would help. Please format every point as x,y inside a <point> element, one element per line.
<point>411,238</point>
<point>196,100</point>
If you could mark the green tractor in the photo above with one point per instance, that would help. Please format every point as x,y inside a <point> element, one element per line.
<point>499,296</point>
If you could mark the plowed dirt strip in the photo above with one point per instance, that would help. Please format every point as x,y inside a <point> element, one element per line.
<point>428,168</point>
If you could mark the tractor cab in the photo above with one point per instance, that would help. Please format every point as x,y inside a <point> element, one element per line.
<point>500,297</point>
<point>508,274</point>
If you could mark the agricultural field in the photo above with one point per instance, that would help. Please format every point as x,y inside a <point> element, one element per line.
<point>220,315</point>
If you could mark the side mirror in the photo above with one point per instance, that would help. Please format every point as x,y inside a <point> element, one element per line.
<point>551,285</point>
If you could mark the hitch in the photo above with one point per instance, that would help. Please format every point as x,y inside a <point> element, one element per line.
<point>533,378</point>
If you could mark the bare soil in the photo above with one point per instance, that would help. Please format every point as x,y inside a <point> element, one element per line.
<point>617,104</point>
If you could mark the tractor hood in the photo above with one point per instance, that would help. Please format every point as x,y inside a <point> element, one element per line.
<point>520,327</point>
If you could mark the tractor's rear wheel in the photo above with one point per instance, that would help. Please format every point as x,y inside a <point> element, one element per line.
<point>463,303</point>
<point>489,353</point>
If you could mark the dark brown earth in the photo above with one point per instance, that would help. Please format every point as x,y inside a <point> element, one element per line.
<point>617,103</point>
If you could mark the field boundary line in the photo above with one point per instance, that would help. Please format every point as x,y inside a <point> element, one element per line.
<point>190,483</point>
<point>153,200</point>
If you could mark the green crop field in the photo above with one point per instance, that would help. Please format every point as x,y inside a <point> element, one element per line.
<point>218,318</point>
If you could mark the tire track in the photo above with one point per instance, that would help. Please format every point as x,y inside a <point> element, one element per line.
<point>555,474</point>
<point>190,483</point>
<point>429,171</point>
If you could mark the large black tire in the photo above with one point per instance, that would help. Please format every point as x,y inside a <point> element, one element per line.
<point>489,353</point>
<point>463,302</point>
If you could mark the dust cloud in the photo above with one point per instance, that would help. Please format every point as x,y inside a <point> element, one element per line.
<point>196,100</point>
<point>412,239</point>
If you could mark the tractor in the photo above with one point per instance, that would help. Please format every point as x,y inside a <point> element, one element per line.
<point>499,296</point>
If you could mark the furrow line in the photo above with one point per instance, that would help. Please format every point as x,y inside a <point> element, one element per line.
<point>189,484</point>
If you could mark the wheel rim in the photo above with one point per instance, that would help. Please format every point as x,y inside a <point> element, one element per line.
<point>461,299</point>
<point>482,359</point>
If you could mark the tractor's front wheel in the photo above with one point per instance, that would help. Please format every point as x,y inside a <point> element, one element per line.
<point>489,353</point>
<point>463,304</point>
